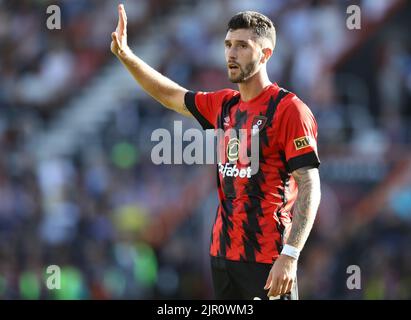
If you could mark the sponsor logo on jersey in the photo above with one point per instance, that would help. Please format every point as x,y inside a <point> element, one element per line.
<point>302,142</point>
<point>231,170</point>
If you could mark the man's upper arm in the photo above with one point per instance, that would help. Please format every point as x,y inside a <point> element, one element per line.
<point>178,103</point>
<point>297,136</point>
<point>206,106</point>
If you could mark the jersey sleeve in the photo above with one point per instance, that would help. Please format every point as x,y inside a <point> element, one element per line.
<point>298,136</point>
<point>206,106</point>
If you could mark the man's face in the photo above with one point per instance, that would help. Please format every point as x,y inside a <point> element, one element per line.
<point>243,54</point>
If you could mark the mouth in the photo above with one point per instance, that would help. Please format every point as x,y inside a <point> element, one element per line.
<point>233,66</point>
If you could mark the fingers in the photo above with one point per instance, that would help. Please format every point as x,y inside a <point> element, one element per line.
<point>289,286</point>
<point>268,282</point>
<point>280,287</point>
<point>284,287</point>
<point>120,25</point>
<point>118,22</point>
<point>123,14</point>
<point>274,287</point>
<point>122,20</point>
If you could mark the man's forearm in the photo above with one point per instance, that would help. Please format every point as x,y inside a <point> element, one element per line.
<point>161,88</point>
<point>306,206</point>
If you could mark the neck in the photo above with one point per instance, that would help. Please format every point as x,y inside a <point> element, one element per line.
<point>253,86</point>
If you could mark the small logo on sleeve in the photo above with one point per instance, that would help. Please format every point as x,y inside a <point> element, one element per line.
<point>302,142</point>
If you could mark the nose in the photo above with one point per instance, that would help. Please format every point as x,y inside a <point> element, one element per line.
<point>231,54</point>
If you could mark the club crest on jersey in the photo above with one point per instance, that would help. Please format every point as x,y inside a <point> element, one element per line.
<point>302,142</point>
<point>258,124</point>
<point>233,147</point>
<point>227,121</point>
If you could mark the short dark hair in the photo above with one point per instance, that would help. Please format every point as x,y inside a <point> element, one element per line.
<point>261,25</point>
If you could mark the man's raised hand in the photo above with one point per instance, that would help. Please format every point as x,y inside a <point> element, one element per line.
<point>119,37</point>
<point>167,92</point>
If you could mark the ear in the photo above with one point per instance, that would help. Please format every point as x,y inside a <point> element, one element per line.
<point>266,54</point>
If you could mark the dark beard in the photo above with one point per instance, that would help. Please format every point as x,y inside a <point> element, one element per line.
<point>244,73</point>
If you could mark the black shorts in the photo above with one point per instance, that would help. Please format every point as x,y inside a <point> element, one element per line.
<point>243,280</point>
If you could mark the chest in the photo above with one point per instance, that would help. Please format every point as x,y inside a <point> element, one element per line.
<point>248,130</point>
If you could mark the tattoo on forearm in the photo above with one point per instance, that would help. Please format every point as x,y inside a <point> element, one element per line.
<point>306,206</point>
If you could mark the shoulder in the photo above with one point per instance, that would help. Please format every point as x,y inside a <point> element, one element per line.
<point>291,105</point>
<point>223,94</point>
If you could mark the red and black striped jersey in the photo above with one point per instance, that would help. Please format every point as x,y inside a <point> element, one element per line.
<point>254,214</point>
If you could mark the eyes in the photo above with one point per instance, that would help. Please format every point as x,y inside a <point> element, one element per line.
<point>241,45</point>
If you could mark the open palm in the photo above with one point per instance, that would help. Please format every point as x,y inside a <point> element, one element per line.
<point>119,37</point>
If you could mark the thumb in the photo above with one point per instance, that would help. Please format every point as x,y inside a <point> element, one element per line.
<point>114,36</point>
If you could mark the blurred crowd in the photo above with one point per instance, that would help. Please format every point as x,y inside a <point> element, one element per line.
<point>119,226</point>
